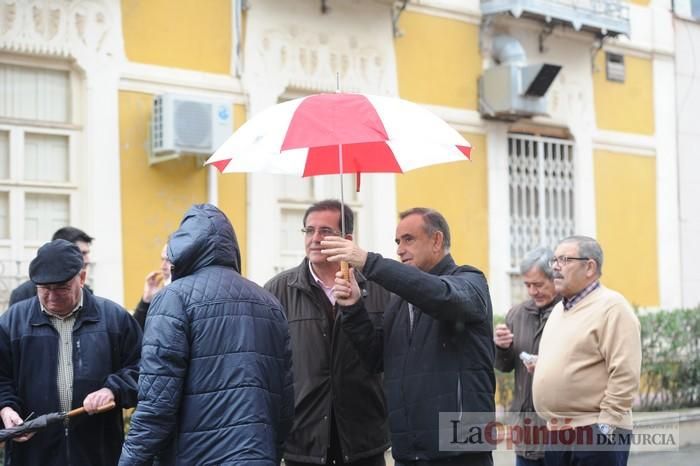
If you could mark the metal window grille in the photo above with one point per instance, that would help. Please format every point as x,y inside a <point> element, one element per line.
<point>541,188</point>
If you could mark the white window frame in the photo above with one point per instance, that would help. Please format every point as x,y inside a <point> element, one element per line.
<point>21,251</point>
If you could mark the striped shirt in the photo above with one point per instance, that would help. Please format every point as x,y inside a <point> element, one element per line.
<point>64,327</point>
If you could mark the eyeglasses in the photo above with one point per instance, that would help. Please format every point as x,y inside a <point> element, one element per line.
<point>58,289</point>
<point>323,231</point>
<point>563,260</point>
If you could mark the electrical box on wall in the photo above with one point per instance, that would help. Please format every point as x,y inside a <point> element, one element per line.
<point>188,125</point>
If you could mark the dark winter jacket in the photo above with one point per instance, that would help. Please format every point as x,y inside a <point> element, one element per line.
<point>526,321</point>
<point>444,364</point>
<point>106,348</point>
<point>216,381</point>
<point>329,374</point>
<point>141,312</point>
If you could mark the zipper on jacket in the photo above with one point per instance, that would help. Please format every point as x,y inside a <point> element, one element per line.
<point>80,356</point>
<point>67,440</point>
<point>459,395</point>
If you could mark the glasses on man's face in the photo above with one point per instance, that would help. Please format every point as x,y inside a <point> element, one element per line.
<point>57,289</point>
<point>563,260</point>
<point>323,231</point>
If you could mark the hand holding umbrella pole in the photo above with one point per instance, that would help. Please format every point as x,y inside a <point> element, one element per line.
<point>78,411</point>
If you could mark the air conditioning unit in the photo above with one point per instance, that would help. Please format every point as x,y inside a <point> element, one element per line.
<point>509,92</point>
<point>188,125</point>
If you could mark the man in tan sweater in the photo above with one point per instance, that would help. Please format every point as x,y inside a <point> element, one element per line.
<point>587,374</point>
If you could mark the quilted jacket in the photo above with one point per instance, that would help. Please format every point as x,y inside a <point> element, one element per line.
<point>215,386</point>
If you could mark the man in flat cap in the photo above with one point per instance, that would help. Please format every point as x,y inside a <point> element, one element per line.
<point>63,349</point>
<point>76,236</point>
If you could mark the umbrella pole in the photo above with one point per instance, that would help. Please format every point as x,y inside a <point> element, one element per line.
<point>101,409</point>
<point>344,267</point>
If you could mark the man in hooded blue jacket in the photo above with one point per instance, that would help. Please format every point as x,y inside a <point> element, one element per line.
<point>216,384</point>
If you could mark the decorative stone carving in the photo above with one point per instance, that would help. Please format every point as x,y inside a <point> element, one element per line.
<point>62,28</point>
<point>290,47</point>
<point>310,60</point>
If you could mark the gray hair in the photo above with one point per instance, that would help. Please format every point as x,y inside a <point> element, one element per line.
<point>588,247</point>
<point>540,258</point>
<point>434,221</point>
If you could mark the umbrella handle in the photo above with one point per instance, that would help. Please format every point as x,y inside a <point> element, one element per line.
<point>345,268</point>
<point>101,409</point>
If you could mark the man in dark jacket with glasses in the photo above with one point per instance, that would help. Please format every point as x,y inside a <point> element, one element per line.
<point>340,413</point>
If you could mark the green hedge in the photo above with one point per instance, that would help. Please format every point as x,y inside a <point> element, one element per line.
<point>505,383</point>
<point>670,359</point>
<point>670,362</point>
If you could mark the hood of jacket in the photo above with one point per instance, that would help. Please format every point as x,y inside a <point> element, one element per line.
<point>205,238</point>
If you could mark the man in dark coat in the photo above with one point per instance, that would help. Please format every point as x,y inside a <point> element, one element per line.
<point>522,332</point>
<point>216,384</point>
<point>63,349</point>
<point>436,344</point>
<point>74,235</point>
<point>340,415</point>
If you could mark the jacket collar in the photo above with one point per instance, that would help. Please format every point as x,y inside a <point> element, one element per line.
<point>446,266</point>
<point>532,308</point>
<point>301,278</point>
<point>88,313</point>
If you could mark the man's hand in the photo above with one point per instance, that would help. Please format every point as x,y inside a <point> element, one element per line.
<point>152,285</point>
<point>10,418</point>
<point>346,292</point>
<point>502,336</point>
<point>97,399</point>
<point>340,249</point>
<point>530,365</point>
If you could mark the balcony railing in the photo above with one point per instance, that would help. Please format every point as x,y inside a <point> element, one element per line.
<point>603,17</point>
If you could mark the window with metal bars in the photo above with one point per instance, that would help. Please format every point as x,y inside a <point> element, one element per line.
<point>541,197</point>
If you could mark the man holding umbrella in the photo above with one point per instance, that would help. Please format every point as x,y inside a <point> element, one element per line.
<point>435,346</point>
<point>340,415</point>
<point>63,349</point>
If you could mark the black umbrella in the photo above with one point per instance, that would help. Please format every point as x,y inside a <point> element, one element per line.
<point>44,420</point>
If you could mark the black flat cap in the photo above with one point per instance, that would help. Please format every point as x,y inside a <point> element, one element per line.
<point>55,262</point>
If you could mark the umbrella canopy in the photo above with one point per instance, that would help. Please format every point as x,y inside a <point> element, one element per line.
<point>310,135</point>
<point>32,425</point>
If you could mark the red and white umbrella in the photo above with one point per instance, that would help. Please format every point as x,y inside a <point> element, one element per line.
<point>311,135</point>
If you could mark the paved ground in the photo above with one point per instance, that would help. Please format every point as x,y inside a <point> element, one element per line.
<point>688,456</point>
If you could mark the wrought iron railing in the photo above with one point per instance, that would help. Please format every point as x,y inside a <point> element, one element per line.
<point>10,277</point>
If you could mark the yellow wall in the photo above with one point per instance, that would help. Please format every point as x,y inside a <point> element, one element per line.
<point>640,2</point>
<point>154,198</point>
<point>459,191</point>
<point>628,106</point>
<point>193,34</point>
<point>232,196</point>
<point>438,60</point>
<point>626,219</point>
